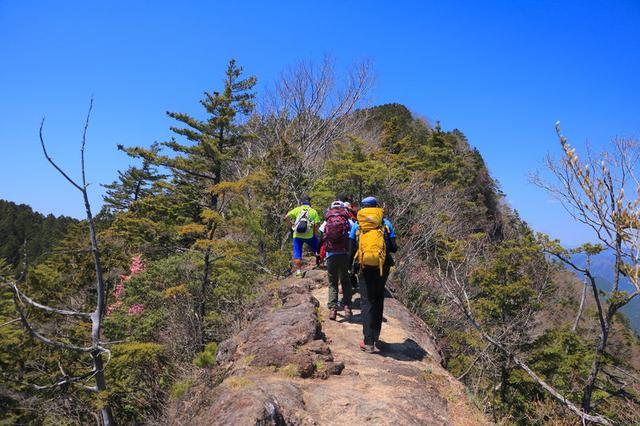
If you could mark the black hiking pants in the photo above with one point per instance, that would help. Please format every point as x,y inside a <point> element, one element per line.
<point>371,287</point>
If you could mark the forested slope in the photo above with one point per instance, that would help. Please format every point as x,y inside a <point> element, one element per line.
<point>19,224</point>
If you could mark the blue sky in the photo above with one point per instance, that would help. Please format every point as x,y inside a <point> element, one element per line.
<point>501,71</point>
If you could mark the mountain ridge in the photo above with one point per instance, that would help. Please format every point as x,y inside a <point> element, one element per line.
<point>291,365</point>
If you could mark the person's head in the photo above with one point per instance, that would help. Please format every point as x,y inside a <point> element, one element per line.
<point>305,200</point>
<point>344,197</point>
<point>369,202</point>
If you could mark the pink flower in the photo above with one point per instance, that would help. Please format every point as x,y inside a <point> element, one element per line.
<point>136,309</point>
<point>119,291</point>
<point>111,308</point>
<point>137,266</point>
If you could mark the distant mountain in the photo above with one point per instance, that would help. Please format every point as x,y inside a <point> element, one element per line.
<point>18,222</point>
<point>602,268</point>
<point>631,310</point>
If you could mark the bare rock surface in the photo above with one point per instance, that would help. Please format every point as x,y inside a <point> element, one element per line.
<point>293,366</point>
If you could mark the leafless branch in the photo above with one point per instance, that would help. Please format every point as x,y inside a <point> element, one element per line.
<point>55,166</point>
<point>84,141</point>
<point>95,350</point>
<point>9,322</point>
<point>23,297</point>
<point>581,308</point>
<point>462,303</point>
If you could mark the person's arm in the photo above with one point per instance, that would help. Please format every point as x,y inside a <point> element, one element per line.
<point>316,223</point>
<point>354,267</point>
<point>321,231</point>
<point>290,217</point>
<point>391,237</point>
<point>353,247</point>
<point>393,246</point>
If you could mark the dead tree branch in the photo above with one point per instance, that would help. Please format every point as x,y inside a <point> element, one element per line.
<point>449,276</point>
<point>95,350</point>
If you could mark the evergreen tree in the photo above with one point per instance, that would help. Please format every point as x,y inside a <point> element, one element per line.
<point>20,224</point>
<point>200,167</point>
<point>353,171</point>
<point>133,184</point>
<point>510,288</point>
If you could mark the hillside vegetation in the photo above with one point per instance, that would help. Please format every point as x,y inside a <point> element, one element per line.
<point>192,236</point>
<point>20,225</point>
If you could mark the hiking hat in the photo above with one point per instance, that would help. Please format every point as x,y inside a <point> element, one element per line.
<point>337,204</point>
<point>369,202</point>
<point>305,200</point>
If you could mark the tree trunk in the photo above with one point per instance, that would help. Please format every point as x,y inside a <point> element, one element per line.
<point>203,295</point>
<point>581,308</point>
<point>597,360</point>
<point>105,412</point>
<point>96,318</point>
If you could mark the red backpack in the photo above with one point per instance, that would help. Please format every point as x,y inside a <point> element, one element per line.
<point>336,230</point>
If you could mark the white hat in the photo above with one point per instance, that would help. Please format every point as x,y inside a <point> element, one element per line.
<point>337,205</point>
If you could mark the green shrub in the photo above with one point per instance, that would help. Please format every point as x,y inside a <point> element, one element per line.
<point>206,358</point>
<point>180,388</point>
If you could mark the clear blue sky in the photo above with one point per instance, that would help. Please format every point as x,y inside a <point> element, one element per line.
<point>501,71</point>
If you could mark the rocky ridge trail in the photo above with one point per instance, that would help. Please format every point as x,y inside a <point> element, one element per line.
<point>291,365</point>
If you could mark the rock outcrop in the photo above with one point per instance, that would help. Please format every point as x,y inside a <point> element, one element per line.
<point>292,366</point>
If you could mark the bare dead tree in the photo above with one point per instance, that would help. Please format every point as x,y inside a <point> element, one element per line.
<point>307,110</point>
<point>430,208</point>
<point>96,348</point>
<point>603,193</point>
<point>583,297</point>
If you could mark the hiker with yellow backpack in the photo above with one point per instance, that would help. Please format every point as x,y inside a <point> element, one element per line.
<point>372,240</point>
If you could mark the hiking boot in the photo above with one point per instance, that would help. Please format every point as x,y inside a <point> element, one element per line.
<point>299,274</point>
<point>366,348</point>
<point>332,314</point>
<point>347,311</point>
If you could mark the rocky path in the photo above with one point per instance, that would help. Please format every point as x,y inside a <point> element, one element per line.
<point>291,365</point>
<point>401,384</point>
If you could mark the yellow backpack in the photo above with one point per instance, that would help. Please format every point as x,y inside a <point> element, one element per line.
<point>372,249</point>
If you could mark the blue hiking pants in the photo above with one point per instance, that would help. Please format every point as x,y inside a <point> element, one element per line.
<point>298,242</point>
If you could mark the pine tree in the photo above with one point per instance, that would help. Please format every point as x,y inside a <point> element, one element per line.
<point>354,171</point>
<point>132,184</point>
<point>510,287</point>
<point>200,167</point>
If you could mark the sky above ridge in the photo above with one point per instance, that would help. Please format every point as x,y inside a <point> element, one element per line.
<point>502,72</point>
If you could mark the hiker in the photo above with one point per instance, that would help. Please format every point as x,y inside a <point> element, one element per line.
<point>372,240</point>
<point>335,238</point>
<point>347,202</point>
<point>352,210</point>
<point>304,222</point>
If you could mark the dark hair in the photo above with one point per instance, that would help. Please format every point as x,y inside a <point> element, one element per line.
<point>305,199</point>
<point>343,196</point>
